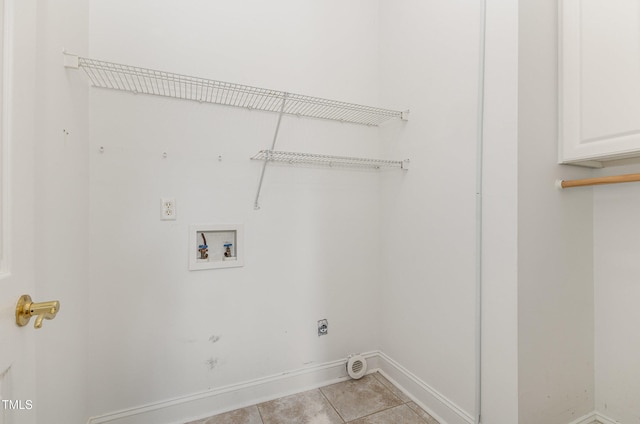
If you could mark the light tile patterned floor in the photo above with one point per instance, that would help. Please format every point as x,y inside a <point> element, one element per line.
<point>370,400</point>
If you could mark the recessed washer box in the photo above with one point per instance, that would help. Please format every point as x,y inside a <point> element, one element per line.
<point>214,246</point>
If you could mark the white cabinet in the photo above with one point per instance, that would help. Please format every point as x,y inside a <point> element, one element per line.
<point>599,83</point>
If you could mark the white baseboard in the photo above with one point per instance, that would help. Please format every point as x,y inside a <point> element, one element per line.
<point>603,419</point>
<point>594,418</point>
<point>223,399</point>
<point>587,419</point>
<point>436,404</point>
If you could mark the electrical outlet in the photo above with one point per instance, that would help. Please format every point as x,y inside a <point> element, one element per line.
<point>168,209</point>
<point>323,327</point>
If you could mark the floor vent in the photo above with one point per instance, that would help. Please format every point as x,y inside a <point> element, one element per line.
<point>356,366</point>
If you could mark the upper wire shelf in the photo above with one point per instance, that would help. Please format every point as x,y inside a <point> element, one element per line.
<point>327,160</point>
<point>159,83</point>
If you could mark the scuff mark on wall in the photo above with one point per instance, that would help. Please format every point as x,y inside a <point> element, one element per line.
<point>214,338</point>
<point>211,363</point>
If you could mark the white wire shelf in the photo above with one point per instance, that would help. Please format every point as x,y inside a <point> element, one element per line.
<point>294,158</point>
<point>159,83</point>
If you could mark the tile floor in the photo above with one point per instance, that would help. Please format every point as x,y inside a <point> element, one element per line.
<point>370,400</point>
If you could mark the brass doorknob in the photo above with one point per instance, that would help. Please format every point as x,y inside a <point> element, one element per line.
<point>25,309</point>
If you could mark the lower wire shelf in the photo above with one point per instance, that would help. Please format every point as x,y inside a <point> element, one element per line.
<point>294,158</point>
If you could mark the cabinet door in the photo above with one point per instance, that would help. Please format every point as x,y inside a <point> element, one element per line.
<point>599,80</point>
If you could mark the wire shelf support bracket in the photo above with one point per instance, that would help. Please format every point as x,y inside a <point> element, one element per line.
<point>256,204</point>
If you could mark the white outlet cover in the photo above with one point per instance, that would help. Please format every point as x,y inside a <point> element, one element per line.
<point>168,209</point>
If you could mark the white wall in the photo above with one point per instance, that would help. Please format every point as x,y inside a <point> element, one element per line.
<point>310,251</point>
<point>616,270</point>
<point>62,207</point>
<point>555,242</point>
<point>429,213</point>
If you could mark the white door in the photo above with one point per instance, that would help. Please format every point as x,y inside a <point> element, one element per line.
<point>17,194</point>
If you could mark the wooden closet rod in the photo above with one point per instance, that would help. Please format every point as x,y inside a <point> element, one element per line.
<point>614,179</point>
